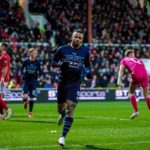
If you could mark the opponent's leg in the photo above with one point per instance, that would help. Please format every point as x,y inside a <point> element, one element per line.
<point>146,96</point>
<point>3,104</point>
<point>133,101</point>
<point>25,100</point>
<point>2,116</point>
<point>25,90</point>
<point>32,95</point>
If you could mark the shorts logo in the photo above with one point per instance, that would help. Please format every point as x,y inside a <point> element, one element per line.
<point>34,93</point>
<point>78,93</point>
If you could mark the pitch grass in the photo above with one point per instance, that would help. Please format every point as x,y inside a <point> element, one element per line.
<point>97,126</point>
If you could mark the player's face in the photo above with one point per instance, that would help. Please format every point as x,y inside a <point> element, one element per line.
<point>1,50</point>
<point>77,39</point>
<point>132,55</point>
<point>33,54</point>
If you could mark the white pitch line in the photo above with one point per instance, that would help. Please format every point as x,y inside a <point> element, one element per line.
<point>98,117</point>
<point>88,117</point>
<point>106,118</point>
<point>73,145</point>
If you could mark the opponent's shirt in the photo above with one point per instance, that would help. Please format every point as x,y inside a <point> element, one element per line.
<point>5,62</point>
<point>73,63</point>
<point>30,70</point>
<point>135,66</point>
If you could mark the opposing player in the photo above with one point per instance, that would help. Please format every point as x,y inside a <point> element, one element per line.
<point>73,60</point>
<point>30,70</point>
<point>4,79</point>
<point>139,77</point>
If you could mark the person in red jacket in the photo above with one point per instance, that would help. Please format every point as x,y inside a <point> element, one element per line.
<point>4,79</point>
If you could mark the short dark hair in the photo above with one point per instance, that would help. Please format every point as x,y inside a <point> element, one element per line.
<point>128,52</point>
<point>78,31</point>
<point>4,45</point>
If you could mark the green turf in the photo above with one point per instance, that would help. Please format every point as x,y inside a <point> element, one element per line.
<point>97,126</point>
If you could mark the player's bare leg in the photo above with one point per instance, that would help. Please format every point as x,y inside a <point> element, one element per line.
<point>146,96</point>
<point>3,105</point>
<point>2,116</point>
<point>31,103</point>
<point>9,113</point>
<point>62,111</point>
<point>25,100</point>
<point>67,121</point>
<point>133,101</point>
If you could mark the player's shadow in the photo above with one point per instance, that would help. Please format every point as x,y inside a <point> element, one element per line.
<point>25,116</point>
<point>92,147</point>
<point>34,121</point>
<point>88,147</point>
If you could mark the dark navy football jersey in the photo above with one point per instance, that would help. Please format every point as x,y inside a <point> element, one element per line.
<point>30,70</point>
<point>73,63</point>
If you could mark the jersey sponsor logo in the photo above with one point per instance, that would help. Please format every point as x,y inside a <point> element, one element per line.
<point>31,69</point>
<point>75,65</point>
<point>74,61</point>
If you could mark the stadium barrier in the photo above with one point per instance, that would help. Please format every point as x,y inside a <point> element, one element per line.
<point>95,94</point>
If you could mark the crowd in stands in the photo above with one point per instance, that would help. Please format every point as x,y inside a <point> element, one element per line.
<point>117,21</point>
<point>114,21</point>
<point>104,62</point>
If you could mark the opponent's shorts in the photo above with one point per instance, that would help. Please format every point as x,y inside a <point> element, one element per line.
<point>143,82</point>
<point>68,93</point>
<point>3,87</point>
<point>29,89</point>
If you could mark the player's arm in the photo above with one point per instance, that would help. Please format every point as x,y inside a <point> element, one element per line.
<point>22,69</point>
<point>5,68</point>
<point>4,72</point>
<point>87,68</point>
<point>120,74</point>
<point>57,58</point>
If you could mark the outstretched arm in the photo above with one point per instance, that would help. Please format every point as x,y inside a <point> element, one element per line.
<point>120,74</point>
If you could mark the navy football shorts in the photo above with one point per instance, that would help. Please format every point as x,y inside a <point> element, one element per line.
<point>68,93</point>
<point>29,88</point>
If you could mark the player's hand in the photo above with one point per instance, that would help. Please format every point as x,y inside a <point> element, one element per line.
<point>89,76</point>
<point>88,73</point>
<point>65,65</point>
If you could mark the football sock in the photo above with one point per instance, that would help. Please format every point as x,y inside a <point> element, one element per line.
<point>25,99</point>
<point>134,103</point>
<point>67,125</point>
<point>148,102</point>
<point>1,110</point>
<point>31,105</point>
<point>3,103</point>
<point>63,113</point>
